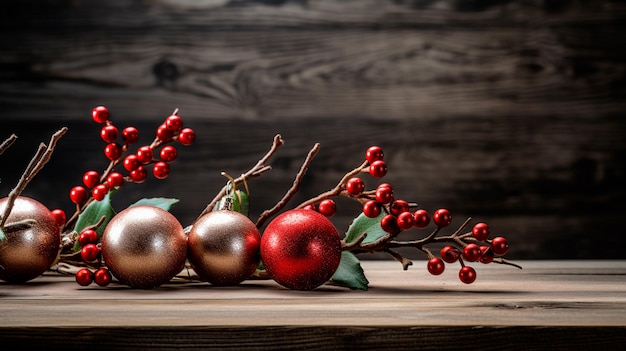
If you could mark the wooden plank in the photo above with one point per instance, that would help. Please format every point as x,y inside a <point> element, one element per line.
<point>548,304</point>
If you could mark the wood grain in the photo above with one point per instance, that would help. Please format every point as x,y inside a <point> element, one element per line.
<point>547,304</point>
<point>506,111</point>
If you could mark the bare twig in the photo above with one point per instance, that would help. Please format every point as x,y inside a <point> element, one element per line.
<point>292,191</point>
<point>42,156</point>
<point>7,143</point>
<point>257,170</point>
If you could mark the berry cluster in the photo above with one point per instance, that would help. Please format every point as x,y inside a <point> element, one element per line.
<point>397,215</point>
<point>91,256</point>
<point>136,165</point>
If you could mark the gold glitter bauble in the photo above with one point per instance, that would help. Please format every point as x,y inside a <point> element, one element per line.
<point>144,246</point>
<point>28,253</point>
<point>223,247</point>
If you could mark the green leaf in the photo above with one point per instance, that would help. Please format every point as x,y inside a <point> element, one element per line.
<point>2,236</point>
<point>350,273</point>
<point>160,202</point>
<point>92,214</point>
<point>363,224</point>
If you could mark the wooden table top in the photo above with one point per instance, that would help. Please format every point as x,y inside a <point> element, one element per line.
<point>548,303</point>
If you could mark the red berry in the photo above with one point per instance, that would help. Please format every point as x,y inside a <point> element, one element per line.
<point>59,216</point>
<point>384,185</point>
<point>471,252</point>
<point>399,206</point>
<point>161,170</point>
<point>109,133</point>
<point>467,274</point>
<point>87,236</point>
<point>310,207</point>
<point>113,151</point>
<point>78,194</point>
<point>481,231</point>
<point>374,153</point>
<point>187,136</point>
<point>164,134</point>
<point>442,217</point>
<point>168,153</point>
<point>130,135</point>
<point>91,179</point>
<point>371,209</point>
<point>115,179</point>
<point>131,162</point>
<point>327,207</point>
<point>384,195</point>
<point>89,252</point>
<point>84,277</point>
<point>99,192</point>
<point>174,123</point>
<point>378,169</point>
<point>102,277</point>
<point>486,255</point>
<point>421,218</point>
<point>145,154</point>
<point>355,186</point>
<point>139,174</point>
<point>449,254</point>
<point>436,266</point>
<point>100,114</point>
<point>499,245</point>
<point>405,220</point>
<point>388,224</point>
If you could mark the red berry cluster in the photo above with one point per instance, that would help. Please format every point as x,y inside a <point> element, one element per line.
<point>398,215</point>
<point>135,164</point>
<point>473,251</point>
<point>91,254</point>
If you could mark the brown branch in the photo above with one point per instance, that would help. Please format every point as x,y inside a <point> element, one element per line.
<point>257,170</point>
<point>42,156</point>
<point>293,190</point>
<point>7,143</point>
<point>337,189</point>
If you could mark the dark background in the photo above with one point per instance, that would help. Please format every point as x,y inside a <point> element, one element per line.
<point>511,112</point>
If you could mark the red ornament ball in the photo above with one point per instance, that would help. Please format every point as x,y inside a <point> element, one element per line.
<point>300,249</point>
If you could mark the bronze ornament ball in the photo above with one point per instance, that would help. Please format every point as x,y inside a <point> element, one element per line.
<point>28,252</point>
<point>144,246</point>
<point>224,247</point>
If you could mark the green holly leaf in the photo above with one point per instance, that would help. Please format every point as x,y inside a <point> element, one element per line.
<point>2,236</point>
<point>160,202</point>
<point>350,273</point>
<point>363,224</point>
<point>92,214</point>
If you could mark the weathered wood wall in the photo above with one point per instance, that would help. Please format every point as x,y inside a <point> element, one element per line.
<point>507,111</point>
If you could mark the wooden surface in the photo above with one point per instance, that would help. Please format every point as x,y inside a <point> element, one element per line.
<point>507,111</point>
<point>547,305</point>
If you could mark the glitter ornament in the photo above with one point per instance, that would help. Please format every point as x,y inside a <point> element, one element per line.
<point>144,246</point>
<point>29,250</point>
<point>223,247</point>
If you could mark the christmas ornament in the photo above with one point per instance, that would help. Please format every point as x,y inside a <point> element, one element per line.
<point>144,246</point>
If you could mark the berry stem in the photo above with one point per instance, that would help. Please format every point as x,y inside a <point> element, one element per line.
<point>338,189</point>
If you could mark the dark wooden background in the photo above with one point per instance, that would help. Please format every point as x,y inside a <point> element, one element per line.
<point>511,112</point>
